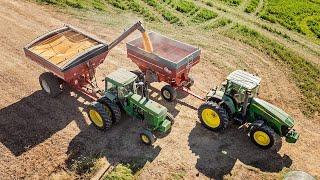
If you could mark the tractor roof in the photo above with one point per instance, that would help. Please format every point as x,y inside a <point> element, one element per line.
<point>121,77</point>
<point>244,79</point>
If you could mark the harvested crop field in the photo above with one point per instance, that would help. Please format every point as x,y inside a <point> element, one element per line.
<point>43,137</point>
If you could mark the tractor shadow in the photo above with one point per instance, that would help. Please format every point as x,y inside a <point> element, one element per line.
<point>155,94</point>
<point>218,152</point>
<point>120,144</point>
<point>35,118</point>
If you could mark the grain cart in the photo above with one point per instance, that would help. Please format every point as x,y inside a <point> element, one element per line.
<point>236,101</point>
<point>121,88</point>
<point>169,62</point>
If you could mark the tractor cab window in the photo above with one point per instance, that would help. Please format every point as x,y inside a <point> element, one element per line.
<point>125,90</point>
<point>111,87</point>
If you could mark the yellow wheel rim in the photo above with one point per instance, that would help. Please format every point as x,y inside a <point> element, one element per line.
<point>108,110</point>
<point>210,118</point>
<point>261,138</point>
<point>145,139</point>
<point>96,118</point>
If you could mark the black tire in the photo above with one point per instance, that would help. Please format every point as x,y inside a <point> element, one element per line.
<point>168,93</point>
<point>273,137</point>
<point>115,109</point>
<point>100,109</point>
<point>147,137</point>
<point>218,110</point>
<point>50,84</point>
<point>190,83</point>
<point>170,118</point>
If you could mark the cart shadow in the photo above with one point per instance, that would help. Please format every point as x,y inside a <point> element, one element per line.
<point>218,152</point>
<point>120,144</point>
<point>35,118</point>
<point>155,95</point>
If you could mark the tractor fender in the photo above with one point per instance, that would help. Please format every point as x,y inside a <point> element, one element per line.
<point>229,104</point>
<point>110,96</point>
<point>257,123</point>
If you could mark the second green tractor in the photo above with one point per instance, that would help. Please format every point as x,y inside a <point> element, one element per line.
<point>236,100</point>
<point>122,92</point>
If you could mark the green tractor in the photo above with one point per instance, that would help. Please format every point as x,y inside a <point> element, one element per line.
<point>236,101</point>
<point>121,92</point>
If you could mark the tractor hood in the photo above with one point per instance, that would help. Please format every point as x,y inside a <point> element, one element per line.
<point>274,112</point>
<point>149,106</point>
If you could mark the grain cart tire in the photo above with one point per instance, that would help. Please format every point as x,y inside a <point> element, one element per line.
<point>168,93</point>
<point>213,116</point>
<point>99,116</point>
<point>113,108</point>
<point>263,136</point>
<point>50,84</point>
<point>147,137</point>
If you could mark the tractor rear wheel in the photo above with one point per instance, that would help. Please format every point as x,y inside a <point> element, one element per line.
<point>263,136</point>
<point>100,115</point>
<point>50,84</point>
<point>147,137</point>
<point>213,116</point>
<point>168,93</point>
<point>113,108</point>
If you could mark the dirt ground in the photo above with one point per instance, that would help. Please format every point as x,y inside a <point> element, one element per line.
<point>39,135</point>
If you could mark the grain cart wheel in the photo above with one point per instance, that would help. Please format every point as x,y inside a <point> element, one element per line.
<point>147,137</point>
<point>263,136</point>
<point>168,93</point>
<point>213,116</point>
<point>112,108</point>
<point>50,84</point>
<point>100,115</point>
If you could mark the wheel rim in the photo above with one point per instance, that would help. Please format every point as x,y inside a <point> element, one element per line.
<point>166,94</point>
<point>210,118</point>
<point>96,118</point>
<point>108,110</point>
<point>145,138</point>
<point>45,86</point>
<point>261,138</point>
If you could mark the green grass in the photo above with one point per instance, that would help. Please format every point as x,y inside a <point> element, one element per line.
<point>186,7</point>
<point>294,15</point>
<point>219,23</point>
<point>305,74</point>
<point>166,14</point>
<point>252,6</point>
<point>120,172</point>
<point>204,15</point>
<point>229,2</point>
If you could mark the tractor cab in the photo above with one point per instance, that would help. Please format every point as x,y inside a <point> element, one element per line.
<point>121,83</point>
<point>241,85</point>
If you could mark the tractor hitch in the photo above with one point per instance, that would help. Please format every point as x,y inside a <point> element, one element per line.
<point>292,136</point>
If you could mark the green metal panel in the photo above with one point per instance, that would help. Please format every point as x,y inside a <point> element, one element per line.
<point>148,105</point>
<point>274,116</point>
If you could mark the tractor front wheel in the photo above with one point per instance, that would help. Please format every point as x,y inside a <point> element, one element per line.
<point>100,115</point>
<point>50,84</point>
<point>263,136</point>
<point>213,116</point>
<point>147,137</point>
<point>168,93</point>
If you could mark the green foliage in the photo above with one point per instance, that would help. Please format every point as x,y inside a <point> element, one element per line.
<point>135,6</point>
<point>204,15</point>
<point>187,7</point>
<point>85,165</point>
<point>120,172</point>
<point>219,23</point>
<point>118,4</point>
<point>293,14</point>
<point>97,4</point>
<point>306,75</point>
<point>168,16</point>
<point>75,4</point>
<point>230,2</point>
<point>314,27</point>
<point>253,4</point>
